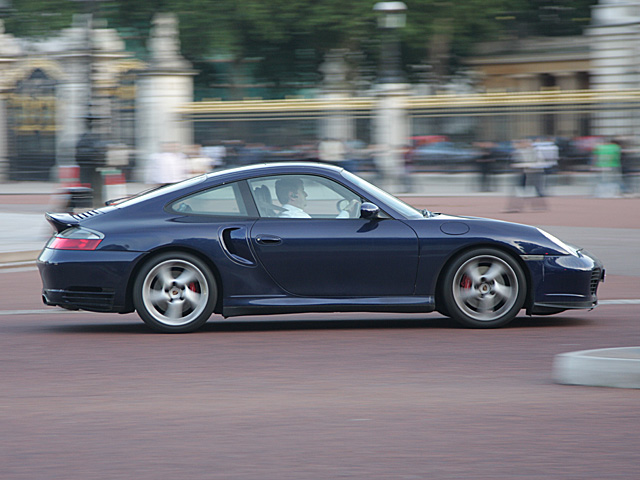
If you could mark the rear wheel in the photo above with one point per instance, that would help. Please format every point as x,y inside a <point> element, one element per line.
<point>175,293</point>
<point>484,288</point>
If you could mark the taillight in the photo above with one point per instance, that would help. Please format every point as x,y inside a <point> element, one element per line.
<point>74,243</point>
<point>76,239</point>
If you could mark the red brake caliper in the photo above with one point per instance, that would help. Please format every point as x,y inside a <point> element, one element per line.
<point>465,282</point>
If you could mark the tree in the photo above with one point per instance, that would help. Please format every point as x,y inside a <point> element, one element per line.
<point>280,44</point>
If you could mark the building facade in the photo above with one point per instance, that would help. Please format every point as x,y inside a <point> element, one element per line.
<point>53,90</point>
<point>533,87</point>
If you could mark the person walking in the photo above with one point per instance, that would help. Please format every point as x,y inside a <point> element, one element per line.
<point>531,179</point>
<point>486,161</point>
<point>167,166</point>
<point>607,164</point>
<point>91,156</point>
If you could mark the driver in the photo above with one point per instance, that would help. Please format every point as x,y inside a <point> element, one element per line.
<point>293,198</point>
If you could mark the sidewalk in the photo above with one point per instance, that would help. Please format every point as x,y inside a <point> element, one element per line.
<point>25,231</point>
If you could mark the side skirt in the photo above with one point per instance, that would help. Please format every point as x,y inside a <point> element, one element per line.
<point>238,306</point>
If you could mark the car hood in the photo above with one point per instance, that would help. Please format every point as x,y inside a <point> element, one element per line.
<point>524,239</point>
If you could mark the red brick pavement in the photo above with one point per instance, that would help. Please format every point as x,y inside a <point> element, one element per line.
<point>565,211</point>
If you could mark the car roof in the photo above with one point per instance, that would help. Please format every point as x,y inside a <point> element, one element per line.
<point>260,169</point>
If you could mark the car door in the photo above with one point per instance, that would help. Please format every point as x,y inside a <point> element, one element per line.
<point>329,255</point>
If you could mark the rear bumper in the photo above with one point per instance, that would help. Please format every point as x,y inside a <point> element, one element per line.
<point>95,281</point>
<point>98,300</point>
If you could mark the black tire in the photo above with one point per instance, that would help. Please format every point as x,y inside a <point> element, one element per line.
<point>175,292</point>
<point>484,288</point>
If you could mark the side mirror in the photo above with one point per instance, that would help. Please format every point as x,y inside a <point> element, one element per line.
<point>369,211</point>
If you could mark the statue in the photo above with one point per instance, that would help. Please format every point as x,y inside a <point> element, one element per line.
<point>164,44</point>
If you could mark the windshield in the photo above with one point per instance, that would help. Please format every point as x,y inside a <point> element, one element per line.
<point>395,203</point>
<point>158,191</point>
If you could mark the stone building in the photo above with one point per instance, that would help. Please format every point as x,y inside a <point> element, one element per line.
<point>614,37</point>
<point>49,88</point>
<point>606,57</point>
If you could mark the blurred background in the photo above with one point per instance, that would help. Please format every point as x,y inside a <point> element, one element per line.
<point>94,92</point>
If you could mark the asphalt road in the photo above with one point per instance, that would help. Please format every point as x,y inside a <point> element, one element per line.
<point>322,396</point>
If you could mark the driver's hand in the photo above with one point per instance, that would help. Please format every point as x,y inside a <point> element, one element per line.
<point>352,208</point>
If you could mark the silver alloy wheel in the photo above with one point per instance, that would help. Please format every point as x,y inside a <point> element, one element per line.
<point>175,292</point>
<point>485,287</point>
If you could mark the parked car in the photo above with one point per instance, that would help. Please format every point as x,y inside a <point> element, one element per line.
<point>446,156</point>
<point>218,244</point>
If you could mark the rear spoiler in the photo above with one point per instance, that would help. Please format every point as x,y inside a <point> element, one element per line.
<point>61,221</point>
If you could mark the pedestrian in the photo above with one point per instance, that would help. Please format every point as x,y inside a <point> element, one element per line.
<point>169,165</point>
<point>91,156</point>
<point>606,157</point>
<point>530,181</point>
<point>216,154</point>
<point>198,163</point>
<point>333,151</point>
<point>486,161</point>
<point>546,156</point>
<point>626,168</point>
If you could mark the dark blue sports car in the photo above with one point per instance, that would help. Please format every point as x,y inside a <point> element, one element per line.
<point>302,237</point>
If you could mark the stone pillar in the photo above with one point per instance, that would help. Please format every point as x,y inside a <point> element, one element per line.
<point>615,60</point>
<point>161,90</point>
<point>89,76</point>
<point>339,123</point>
<point>391,132</point>
<point>567,125</point>
<point>530,124</point>
<point>73,93</point>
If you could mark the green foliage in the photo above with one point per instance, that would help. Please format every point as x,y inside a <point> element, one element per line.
<point>281,43</point>
<point>31,18</point>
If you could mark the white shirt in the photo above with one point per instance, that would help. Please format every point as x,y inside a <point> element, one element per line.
<point>166,167</point>
<point>293,212</point>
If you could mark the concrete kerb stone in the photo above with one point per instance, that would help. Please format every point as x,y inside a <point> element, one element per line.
<point>18,259</point>
<point>605,367</point>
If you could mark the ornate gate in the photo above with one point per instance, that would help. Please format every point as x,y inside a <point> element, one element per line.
<point>31,125</point>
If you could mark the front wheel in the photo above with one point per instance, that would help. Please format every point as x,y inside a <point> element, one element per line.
<point>175,293</point>
<point>484,288</point>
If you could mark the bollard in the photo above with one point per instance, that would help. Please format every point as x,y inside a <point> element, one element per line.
<point>114,185</point>
<point>74,194</point>
<point>69,176</point>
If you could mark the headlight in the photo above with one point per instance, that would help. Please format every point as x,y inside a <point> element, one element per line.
<point>559,243</point>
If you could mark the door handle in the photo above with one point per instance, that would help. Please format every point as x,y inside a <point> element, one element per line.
<point>268,240</point>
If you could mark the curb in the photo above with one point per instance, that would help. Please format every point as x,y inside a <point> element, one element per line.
<point>608,367</point>
<point>18,259</point>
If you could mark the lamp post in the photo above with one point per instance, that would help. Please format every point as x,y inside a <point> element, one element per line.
<point>391,129</point>
<point>391,17</point>
<point>90,154</point>
<point>89,10</point>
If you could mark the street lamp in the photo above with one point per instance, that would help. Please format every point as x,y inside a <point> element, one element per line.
<point>89,8</point>
<point>89,153</point>
<point>391,17</point>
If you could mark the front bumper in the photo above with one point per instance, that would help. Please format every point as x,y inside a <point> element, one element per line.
<point>564,282</point>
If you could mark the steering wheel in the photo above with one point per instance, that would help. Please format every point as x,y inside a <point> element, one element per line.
<point>343,205</point>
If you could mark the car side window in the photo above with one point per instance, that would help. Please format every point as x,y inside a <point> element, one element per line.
<point>303,196</point>
<point>223,201</point>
